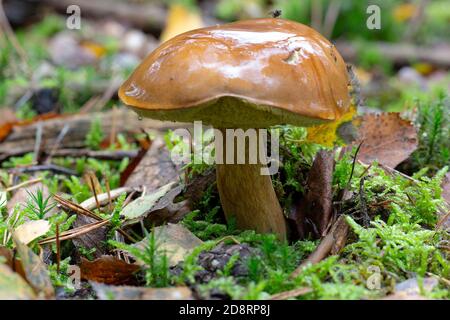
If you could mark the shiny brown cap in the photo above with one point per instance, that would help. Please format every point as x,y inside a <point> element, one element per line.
<point>252,73</point>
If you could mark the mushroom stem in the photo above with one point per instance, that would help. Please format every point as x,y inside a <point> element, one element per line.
<point>249,197</point>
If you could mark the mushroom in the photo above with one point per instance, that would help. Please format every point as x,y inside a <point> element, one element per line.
<point>247,74</point>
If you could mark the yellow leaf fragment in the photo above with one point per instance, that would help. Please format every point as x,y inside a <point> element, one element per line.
<point>326,134</point>
<point>31,230</point>
<point>180,19</point>
<point>404,12</point>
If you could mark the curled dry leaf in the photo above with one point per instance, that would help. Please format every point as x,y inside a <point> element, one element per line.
<point>35,270</point>
<point>313,213</point>
<point>31,230</point>
<point>108,270</point>
<point>387,138</point>
<point>139,208</point>
<point>175,240</point>
<point>12,285</point>
<point>105,292</point>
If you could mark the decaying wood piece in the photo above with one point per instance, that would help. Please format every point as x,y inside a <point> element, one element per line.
<point>332,243</point>
<point>140,15</point>
<point>22,138</point>
<point>97,154</point>
<point>291,293</point>
<point>401,53</point>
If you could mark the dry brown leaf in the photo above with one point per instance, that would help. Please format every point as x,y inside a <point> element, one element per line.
<point>31,230</point>
<point>156,168</point>
<point>105,292</point>
<point>35,270</point>
<point>175,240</point>
<point>109,270</point>
<point>387,138</point>
<point>12,285</point>
<point>313,213</point>
<point>12,261</point>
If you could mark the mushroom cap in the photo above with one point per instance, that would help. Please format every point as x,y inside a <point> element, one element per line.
<point>252,73</point>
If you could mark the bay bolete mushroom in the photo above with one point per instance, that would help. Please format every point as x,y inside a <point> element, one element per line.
<point>248,74</point>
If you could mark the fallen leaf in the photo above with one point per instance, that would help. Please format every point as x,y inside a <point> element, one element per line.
<point>404,12</point>
<point>313,213</point>
<point>105,292</point>
<point>179,20</point>
<point>329,133</point>
<point>410,289</point>
<point>11,261</point>
<point>144,144</point>
<point>177,241</point>
<point>31,230</point>
<point>35,270</point>
<point>137,209</point>
<point>387,138</point>
<point>155,170</point>
<point>12,286</point>
<point>109,270</point>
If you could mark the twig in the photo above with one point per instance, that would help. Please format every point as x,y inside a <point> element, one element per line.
<point>362,202</point>
<point>442,220</point>
<point>58,249</point>
<point>108,191</point>
<point>55,147</point>
<point>44,167</point>
<point>38,142</point>
<point>4,24</point>
<point>290,294</point>
<point>80,210</point>
<point>400,53</point>
<point>112,134</point>
<point>23,184</point>
<point>416,21</point>
<point>102,154</point>
<point>94,191</point>
<point>316,14</point>
<point>331,243</point>
<point>330,18</point>
<point>104,198</point>
<point>354,164</point>
<point>76,232</point>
